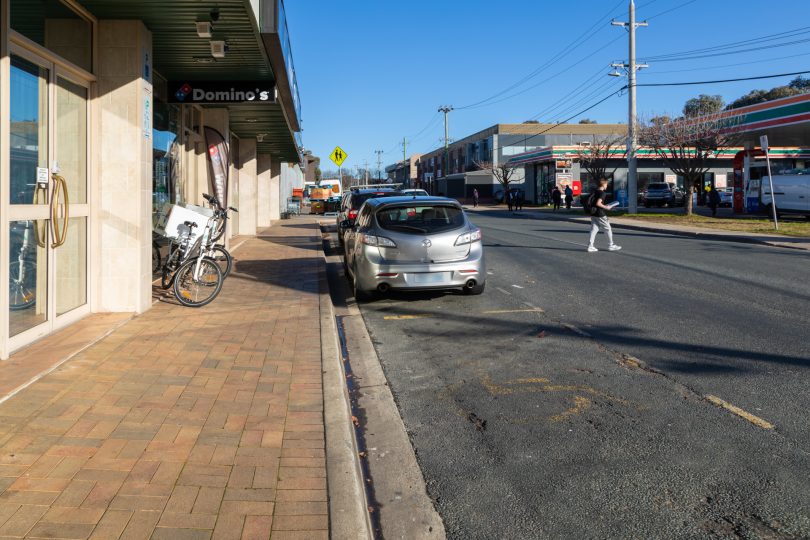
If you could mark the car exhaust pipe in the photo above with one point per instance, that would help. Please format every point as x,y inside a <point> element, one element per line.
<point>470,284</point>
<point>383,287</point>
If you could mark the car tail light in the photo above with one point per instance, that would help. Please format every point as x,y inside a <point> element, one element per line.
<point>387,274</point>
<point>469,238</point>
<point>352,214</point>
<point>378,241</point>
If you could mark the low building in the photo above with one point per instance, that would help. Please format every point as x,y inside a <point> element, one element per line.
<point>403,172</point>
<point>495,145</point>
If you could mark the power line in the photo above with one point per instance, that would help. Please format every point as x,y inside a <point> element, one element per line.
<point>724,66</point>
<point>726,80</point>
<point>732,45</point>
<point>668,10</point>
<point>553,60</point>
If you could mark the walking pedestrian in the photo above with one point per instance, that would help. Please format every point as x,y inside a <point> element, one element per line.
<point>714,201</point>
<point>475,197</point>
<point>569,197</point>
<point>556,197</point>
<point>519,198</point>
<point>599,219</point>
<point>508,197</point>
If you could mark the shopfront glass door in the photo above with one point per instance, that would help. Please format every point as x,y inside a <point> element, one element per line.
<point>48,198</point>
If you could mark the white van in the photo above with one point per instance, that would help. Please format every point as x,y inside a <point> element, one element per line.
<point>792,193</point>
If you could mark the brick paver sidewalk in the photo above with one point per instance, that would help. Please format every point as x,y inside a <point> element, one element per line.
<point>183,423</point>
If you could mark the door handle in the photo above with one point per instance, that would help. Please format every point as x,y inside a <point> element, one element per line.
<point>59,231</point>
<point>41,190</point>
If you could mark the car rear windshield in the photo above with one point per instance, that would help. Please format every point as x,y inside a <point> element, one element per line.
<point>658,186</point>
<point>421,219</point>
<point>360,198</point>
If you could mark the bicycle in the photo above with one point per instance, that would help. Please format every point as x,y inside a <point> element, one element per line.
<point>22,273</point>
<point>198,280</point>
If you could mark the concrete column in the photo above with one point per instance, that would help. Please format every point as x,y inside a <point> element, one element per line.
<point>263,163</point>
<point>123,208</point>
<point>275,190</point>
<point>248,187</point>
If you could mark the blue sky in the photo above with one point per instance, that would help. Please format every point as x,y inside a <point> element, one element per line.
<point>373,72</point>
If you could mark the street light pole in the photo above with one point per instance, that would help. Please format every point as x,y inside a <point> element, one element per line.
<point>632,67</point>
<point>379,164</point>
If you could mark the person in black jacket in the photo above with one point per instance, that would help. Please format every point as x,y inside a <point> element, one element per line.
<point>714,200</point>
<point>556,197</point>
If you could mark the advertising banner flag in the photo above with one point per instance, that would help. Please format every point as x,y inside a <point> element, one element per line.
<point>218,164</point>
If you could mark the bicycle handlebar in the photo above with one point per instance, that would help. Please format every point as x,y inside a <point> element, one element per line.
<point>189,224</point>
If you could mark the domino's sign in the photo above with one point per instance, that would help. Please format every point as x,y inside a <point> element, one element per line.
<point>209,92</point>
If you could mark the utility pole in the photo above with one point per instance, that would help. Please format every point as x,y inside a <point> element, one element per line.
<point>379,164</point>
<point>446,109</point>
<point>631,67</point>
<point>365,171</point>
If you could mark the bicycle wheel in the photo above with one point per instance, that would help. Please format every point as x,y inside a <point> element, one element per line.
<point>197,292</point>
<point>22,293</point>
<point>224,260</point>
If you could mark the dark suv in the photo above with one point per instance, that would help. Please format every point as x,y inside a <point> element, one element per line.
<point>662,194</point>
<point>352,202</point>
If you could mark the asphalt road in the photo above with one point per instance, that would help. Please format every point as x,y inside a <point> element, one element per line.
<point>656,392</point>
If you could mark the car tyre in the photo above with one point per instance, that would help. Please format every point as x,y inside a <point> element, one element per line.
<point>475,291</point>
<point>360,295</point>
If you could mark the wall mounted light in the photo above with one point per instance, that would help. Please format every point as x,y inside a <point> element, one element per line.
<point>218,49</point>
<point>204,29</point>
<point>260,137</point>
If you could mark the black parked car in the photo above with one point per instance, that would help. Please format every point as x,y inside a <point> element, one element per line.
<point>662,194</point>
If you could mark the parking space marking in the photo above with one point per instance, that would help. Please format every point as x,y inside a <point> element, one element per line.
<point>745,415</point>
<point>517,286</point>
<point>504,291</point>
<point>500,311</point>
<point>406,317</point>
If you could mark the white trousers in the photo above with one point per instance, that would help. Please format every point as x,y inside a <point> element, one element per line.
<point>600,223</point>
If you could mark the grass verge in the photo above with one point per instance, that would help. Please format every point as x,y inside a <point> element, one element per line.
<point>794,227</point>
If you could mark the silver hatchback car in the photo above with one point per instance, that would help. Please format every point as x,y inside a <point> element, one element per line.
<point>413,243</point>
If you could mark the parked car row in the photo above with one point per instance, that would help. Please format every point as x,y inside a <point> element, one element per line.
<point>395,240</point>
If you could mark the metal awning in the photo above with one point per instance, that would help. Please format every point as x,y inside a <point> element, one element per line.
<point>180,54</point>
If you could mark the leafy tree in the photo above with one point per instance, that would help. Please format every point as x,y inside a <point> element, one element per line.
<point>797,86</point>
<point>702,105</point>
<point>660,120</point>
<point>588,121</point>
<point>531,122</point>
<point>318,174</point>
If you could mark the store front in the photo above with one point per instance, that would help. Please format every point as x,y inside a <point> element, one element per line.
<point>95,140</point>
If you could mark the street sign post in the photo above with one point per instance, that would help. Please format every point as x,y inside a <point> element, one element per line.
<point>338,156</point>
<point>763,142</point>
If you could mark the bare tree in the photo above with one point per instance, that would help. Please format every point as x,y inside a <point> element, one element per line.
<point>595,156</point>
<point>688,145</point>
<point>503,173</point>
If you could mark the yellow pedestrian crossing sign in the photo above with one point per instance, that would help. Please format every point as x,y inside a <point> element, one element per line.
<point>338,156</point>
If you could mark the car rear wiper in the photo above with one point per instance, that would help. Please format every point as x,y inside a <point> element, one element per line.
<point>408,227</point>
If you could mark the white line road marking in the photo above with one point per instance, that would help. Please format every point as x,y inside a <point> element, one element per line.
<point>504,291</point>
<point>517,286</point>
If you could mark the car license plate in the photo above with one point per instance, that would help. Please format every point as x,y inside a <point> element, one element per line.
<point>430,277</point>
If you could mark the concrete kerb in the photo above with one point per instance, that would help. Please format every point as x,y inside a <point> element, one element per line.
<point>727,237</point>
<point>348,508</point>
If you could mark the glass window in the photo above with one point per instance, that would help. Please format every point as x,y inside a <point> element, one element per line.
<point>167,186</point>
<point>29,129</point>
<point>421,219</point>
<point>56,27</point>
